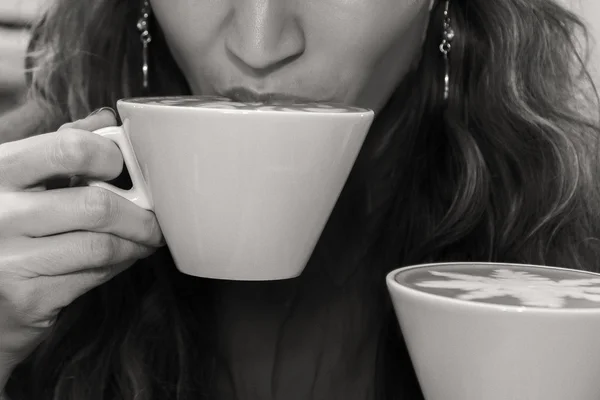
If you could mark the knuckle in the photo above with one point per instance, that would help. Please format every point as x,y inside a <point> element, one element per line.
<point>99,206</point>
<point>72,150</point>
<point>103,250</point>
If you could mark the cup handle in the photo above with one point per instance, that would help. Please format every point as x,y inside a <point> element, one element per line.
<point>139,193</point>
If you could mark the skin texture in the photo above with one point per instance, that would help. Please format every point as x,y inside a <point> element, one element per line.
<point>87,236</point>
<point>351,51</point>
<point>296,339</point>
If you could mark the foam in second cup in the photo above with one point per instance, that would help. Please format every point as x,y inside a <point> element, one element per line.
<point>512,285</point>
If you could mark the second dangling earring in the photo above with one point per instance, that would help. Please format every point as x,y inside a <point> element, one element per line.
<point>143,26</point>
<point>445,47</point>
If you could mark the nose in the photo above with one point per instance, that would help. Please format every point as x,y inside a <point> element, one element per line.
<point>264,35</point>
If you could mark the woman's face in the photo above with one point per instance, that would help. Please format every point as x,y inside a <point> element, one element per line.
<point>350,51</point>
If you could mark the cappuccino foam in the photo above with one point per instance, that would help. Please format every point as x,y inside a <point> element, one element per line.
<point>522,286</point>
<point>224,103</point>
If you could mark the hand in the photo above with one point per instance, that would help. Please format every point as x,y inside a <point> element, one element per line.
<point>55,245</point>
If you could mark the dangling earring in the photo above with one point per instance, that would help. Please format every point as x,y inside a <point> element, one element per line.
<point>445,48</point>
<point>145,38</point>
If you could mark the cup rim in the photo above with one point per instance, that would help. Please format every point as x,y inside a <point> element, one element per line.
<point>394,285</point>
<point>136,103</point>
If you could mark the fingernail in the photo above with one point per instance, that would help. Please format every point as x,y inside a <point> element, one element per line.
<point>102,109</point>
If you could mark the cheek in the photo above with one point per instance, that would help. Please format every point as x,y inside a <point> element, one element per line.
<point>363,31</point>
<point>371,43</point>
<point>190,27</point>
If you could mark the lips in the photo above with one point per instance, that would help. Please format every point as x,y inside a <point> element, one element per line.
<point>245,95</point>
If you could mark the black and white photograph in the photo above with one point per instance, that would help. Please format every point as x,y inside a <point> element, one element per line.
<point>299,199</point>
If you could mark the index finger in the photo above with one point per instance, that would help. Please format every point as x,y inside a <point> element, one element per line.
<point>72,150</point>
<point>100,118</point>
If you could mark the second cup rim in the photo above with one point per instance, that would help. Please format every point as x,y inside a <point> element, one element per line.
<point>394,285</point>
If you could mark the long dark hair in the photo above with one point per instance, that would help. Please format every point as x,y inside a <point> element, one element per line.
<point>506,170</point>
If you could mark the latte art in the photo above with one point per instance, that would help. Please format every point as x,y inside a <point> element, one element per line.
<point>508,285</point>
<point>224,103</point>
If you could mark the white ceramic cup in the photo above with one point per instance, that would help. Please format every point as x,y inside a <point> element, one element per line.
<point>491,331</point>
<point>241,191</point>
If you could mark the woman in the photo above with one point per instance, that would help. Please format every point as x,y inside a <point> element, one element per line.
<point>484,148</point>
